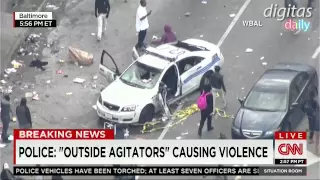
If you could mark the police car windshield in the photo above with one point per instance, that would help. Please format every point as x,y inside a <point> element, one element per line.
<point>141,76</point>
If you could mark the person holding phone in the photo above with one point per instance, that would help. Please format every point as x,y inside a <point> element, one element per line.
<point>142,24</point>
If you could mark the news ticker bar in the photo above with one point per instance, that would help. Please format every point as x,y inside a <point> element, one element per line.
<point>160,171</point>
<point>35,23</point>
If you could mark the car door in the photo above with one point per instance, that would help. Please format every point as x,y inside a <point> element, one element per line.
<point>299,85</point>
<point>189,73</point>
<point>108,69</point>
<point>293,111</point>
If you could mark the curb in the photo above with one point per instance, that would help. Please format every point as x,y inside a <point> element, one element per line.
<point>19,39</point>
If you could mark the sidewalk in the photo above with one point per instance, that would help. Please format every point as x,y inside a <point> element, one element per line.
<point>12,37</point>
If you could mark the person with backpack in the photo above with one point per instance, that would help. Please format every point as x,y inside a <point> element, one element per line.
<point>205,104</point>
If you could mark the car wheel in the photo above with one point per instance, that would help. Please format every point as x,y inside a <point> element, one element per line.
<point>146,114</point>
<point>206,75</point>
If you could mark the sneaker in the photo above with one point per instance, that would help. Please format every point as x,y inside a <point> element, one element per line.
<point>98,39</point>
<point>210,129</point>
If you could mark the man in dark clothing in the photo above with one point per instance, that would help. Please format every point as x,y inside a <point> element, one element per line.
<point>23,115</point>
<point>101,11</point>
<point>207,113</point>
<point>311,109</point>
<point>5,117</point>
<point>217,85</point>
<point>6,174</point>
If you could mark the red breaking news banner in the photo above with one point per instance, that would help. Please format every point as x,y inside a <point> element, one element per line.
<point>63,134</point>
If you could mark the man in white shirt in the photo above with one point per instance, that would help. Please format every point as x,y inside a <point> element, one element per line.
<point>142,23</point>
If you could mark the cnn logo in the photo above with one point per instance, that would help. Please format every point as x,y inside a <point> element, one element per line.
<point>290,145</point>
<point>290,149</point>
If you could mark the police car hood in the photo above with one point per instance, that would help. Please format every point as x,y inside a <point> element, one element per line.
<point>120,94</point>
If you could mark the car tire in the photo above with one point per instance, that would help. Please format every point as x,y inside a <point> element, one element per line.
<point>146,114</point>
<point>207,74</point>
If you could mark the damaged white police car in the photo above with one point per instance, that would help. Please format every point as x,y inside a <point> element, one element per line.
<point>132,96</point>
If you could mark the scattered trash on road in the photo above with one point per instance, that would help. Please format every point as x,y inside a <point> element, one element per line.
<point>48,82</point>
<point>204,2</point>
<point>59,71</point>
<point>51,6</point>
<point>187,14</point>
<point>94,86</point>
<point>35,97</point>
<point>248,50</point>
<point>93,34</point>
<point>95,77</point>
<point>28,94</point>
<point>232,15</point>
<point>201,35</point>
<point>10,70</point>
<point>264,63</point>
<point>186,133</point>
<point>38,64</point>
<point>81,57</point>
<point>16,64</point>
<point>69,93</point>
<point>154,37</point>
<point>3,82</point>
<point>81,67</point>
<point>178,138</point>
<point>61,61</point>
<point>280,34</point>
<point>262,58</point>
<point>242,88</point>
<point>79,80</point>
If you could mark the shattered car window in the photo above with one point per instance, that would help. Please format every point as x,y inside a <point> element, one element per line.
<point>141,76</point>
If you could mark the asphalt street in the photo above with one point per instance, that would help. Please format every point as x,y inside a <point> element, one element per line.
<point>212,22</point>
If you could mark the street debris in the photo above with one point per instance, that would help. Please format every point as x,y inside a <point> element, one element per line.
<point>61,61</point>
<point>48,81</point>
<point>186,133</point>
<point>3,82</point>
<point>204,2</point>
<point>79,80</point>
<point>232,15</point>
<point>95,77</point>
<point>248,50</point>
<point>178,138</point>
<point>126,133</point>
<point>66,75</point>
<point>237,56</point>
<point>252,72</point>
<point>242,88</point>
<point>262,58</point>
<point>16,64</point>
<point>93,34</point>
<point>38,64</point>
<point>59,71</point>
<point>10,70</point>
<point>81,67</point>
<point>201,35</point>
<point>51,6</point>
<point>264,63</point>
<point>187,14</point>
<point>35,97</point>
<point>94,86</point>
<point>69,93</point>
<point>280,34</point>
<point>81,57</point>
<point>28,94</point>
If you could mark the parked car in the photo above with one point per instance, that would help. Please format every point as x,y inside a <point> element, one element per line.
<point>132,96</point>
<point>274,102</point>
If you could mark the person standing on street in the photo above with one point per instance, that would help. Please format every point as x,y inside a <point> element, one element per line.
<point>24,115</point>
<point>311,109</point>
<point>206,113</point>
<point>217,84</point>
<point>5,117</point>
<point>102,10</point>
<point>142,24</point>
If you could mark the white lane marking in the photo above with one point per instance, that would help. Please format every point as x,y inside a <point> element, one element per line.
<point>316,53</point>
<point>234,21</point>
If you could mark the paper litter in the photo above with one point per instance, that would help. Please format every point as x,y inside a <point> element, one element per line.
<point>248,50</point>
<point>232,15</point>
<point>79,80</point>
